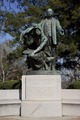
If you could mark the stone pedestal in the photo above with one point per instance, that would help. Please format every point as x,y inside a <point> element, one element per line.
<point>41,96</point>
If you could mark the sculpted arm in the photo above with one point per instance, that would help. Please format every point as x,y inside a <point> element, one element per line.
<point>22,36</point>
<point>40,47</point>
<point>59,28</point>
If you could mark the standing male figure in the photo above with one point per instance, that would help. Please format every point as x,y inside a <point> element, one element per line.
<point>50,27</point>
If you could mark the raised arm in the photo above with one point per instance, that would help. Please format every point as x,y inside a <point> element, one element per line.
<point>40,47</point>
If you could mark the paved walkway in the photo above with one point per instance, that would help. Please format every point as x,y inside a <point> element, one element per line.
<point>45,118</point>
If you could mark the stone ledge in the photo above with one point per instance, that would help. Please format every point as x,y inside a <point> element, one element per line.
<point>69,101</point>
<point>10,102</point>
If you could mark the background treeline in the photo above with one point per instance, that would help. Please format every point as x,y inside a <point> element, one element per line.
<point>14,21</point>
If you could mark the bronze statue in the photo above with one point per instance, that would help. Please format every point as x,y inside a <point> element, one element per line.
<point>50,27</point>
<point>36,49</point>
<point>39,41</point>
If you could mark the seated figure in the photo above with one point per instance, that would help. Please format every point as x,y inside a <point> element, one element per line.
<point>36,48</point>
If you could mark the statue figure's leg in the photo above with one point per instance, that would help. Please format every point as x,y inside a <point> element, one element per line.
<point>53,62</point>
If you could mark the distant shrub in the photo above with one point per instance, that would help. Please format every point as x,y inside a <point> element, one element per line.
<point>74,85</point>
<point>10,84</point>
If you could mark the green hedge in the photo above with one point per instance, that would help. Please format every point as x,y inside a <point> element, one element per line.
<point>16,84</point>
<point>74,85</point>
<point>10,84</point>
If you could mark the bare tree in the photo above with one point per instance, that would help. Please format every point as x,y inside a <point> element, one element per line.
<point>2,73</point>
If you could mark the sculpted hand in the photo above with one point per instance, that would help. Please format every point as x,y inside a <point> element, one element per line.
<point>31,54</point>
<point>61,32</point>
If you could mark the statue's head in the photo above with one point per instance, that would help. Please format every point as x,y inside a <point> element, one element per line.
<point>36,29</point>
<point>33,31</point>
<point>49,12</point>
